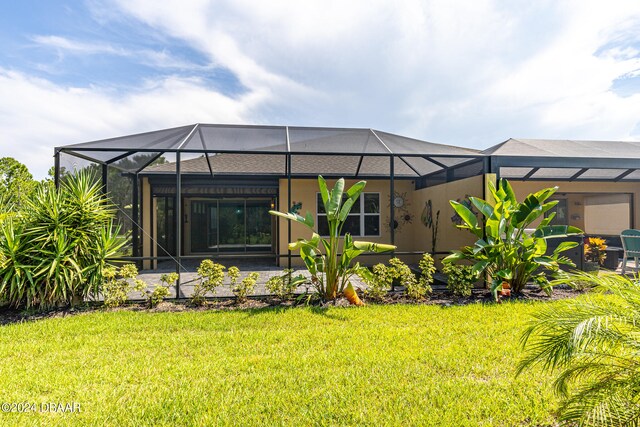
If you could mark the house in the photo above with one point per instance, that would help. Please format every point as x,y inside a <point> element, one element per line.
<point>227,177</point>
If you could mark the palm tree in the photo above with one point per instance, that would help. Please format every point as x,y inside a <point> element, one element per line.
<point>593,342</point>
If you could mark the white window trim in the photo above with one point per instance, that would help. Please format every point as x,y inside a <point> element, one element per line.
<point>362,214</point>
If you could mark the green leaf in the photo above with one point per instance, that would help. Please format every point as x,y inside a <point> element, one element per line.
<point>335,199</point>
<point>508,191</point>
<point>564,246</point>
<point>504,274</point>
<point>346,208</point>
<point>455,256</point>
<point>373,247</point>
<point>541,246</point>
<point>545,193</point>
<point>496,284</point>
<point>308,256</point>
<point>365,273</point>
<point>306,221</point>
<point>324,192</point>
<point>552,231</point>
<point>484,207</point>
<point>479,267</point>
<point>545,261</point>
<point>467,217</point>
<point>356,189</point>
<point>547,220</point>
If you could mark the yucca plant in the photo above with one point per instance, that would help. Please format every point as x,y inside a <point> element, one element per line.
<point>329,264</point>
<point>54,252</point>
<point>593,342</point>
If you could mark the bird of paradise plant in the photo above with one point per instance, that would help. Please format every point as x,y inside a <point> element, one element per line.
<point>511,249</point>
<point>329,265</point>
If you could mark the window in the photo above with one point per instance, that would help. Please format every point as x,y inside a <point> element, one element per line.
<point>562,214</point>
<point>364,219</point>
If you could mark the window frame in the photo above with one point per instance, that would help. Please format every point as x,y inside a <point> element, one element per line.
<point>362,214</point>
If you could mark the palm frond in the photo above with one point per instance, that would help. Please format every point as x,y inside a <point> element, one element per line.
<point>593,342</point>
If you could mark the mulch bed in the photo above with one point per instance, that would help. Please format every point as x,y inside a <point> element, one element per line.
<point>442,298</point>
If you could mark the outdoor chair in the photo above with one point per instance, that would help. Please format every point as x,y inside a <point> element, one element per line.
<point>631,246</point>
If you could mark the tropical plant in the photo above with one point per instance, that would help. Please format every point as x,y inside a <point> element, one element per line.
<point>282,286</point>
<point>55,251</point>
<point>460,279</point>
<point>593,342</point>
<point>246,286</point>
<point>595,250</point>
<point>510,247</point>
<point>330,271</point>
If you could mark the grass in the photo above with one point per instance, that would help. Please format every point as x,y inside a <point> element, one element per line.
<point>377,365</point>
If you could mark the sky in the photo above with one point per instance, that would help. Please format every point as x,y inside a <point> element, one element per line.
<point>461,72</point>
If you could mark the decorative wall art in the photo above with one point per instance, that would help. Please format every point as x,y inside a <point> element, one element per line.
<point>431,223</point>
<point>402,216</point>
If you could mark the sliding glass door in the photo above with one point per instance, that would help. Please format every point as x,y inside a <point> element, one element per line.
<point>234,225</point>
<point>232,230</point>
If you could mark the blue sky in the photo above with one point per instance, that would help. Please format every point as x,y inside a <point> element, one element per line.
<point>456,72</point>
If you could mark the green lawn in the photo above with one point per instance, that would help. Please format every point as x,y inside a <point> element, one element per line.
<point>377,365</point>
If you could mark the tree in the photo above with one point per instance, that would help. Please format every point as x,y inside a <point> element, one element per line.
<point>593,343</point>
<point>16,183</point>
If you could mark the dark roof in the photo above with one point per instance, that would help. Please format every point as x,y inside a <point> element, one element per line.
<point>567,159</point>
<point>248,141</point>
<point>311,165</point>
<point>565,148</point>
<point>262,150</point>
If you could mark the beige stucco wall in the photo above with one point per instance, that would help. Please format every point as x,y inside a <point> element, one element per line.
<point>575,193</point>
<point>305,190</point>
<point>449,236</point>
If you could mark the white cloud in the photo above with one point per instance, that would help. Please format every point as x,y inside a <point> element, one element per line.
<point>430,69</point>
<point>159,59</point>
<point>37,115</point>
<point>459,72</point>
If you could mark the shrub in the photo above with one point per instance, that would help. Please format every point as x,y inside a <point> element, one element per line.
<point>210,276</point>
<point>460,279</point>
<point>233,273</point>
<point>116,287</point>
<point>427,268</point>
<point>159,292</point>
<point>54,252</point>
<point>282,286</point>
<point>402,274</point>
<point>378,282</point>
<point>245,287</point>
<point>595,250</point>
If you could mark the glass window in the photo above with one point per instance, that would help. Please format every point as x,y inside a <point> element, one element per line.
<point>562,217</point>
<point>364,219</point>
